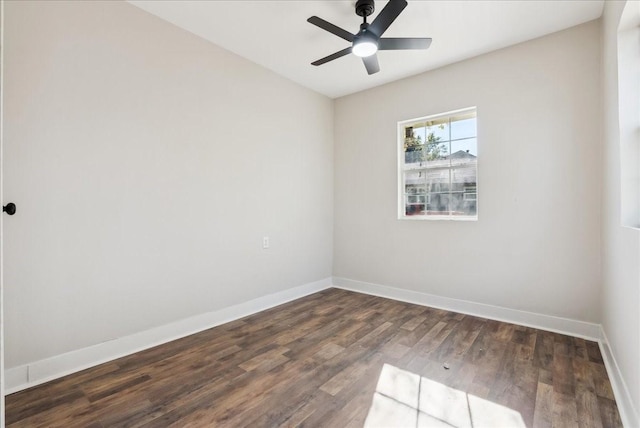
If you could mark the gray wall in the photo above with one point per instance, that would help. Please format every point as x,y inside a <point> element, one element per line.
<point>147,164</point>
<point>536,245</point>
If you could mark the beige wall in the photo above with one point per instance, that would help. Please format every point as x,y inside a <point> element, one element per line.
<point>536,245</point>
<point>621,245</point>
<point>147,165</point>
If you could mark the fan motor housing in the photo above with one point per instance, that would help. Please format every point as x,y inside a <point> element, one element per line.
<point>364,7</point>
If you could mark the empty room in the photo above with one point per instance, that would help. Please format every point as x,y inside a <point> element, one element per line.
<point>320,213</point>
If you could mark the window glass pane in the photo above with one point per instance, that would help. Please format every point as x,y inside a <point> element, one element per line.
<point>464,190</point>
<point>463,176</point>
<point>460,206</point>
<point>463,127</point>
<point>438,129</point>
<point>422,147</point>
<point>464,152</point>
<point>414,147</point>
<point>438,192</point>
<point>436,152</point>
<point>470,144</point>
<point>438,204</point>
<point>415,193</point>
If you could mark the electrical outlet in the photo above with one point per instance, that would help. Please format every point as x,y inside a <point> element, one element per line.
<point>265,242</point>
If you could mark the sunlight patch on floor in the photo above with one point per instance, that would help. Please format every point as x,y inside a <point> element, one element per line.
<point>405,399</point>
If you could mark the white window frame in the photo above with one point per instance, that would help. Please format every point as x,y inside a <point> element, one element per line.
<point>400,168</point>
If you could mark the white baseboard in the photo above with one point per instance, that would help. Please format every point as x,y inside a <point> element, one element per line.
<point>568,326</point>
<point>35,373</point>
<point>628,411</point>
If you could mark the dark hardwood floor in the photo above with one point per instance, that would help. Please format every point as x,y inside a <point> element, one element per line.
<point>323,360</point>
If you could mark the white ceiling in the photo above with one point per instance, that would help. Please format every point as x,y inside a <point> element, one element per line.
<point>275,34</point>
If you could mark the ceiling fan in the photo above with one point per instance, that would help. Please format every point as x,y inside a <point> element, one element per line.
<point>369,39</point>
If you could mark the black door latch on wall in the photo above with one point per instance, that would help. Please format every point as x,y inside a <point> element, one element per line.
<point>10,208</point>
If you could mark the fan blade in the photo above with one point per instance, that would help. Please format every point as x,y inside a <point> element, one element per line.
<point>389,44</point>
<point>371,63</point>
<point>333,56</point>
<point>387,16</point>
<point>344,34</point>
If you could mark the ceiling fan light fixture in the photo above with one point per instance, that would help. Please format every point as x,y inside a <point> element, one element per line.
<point>364,47</point>
<point>369,39</point>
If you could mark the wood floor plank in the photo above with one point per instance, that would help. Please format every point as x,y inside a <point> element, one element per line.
<point>524,336</point>
<point>609,413</point>
<point>601,380</point>
<point>593,352</point>
<point>316,361</point>
<point>412,323</point>
<point>565,411</point>
<point>563,379</point>
<point>544,349</point>
<point>543,413</point>
<point>586,398</point>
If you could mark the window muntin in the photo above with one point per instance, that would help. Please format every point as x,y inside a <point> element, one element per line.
<point>438,165</point>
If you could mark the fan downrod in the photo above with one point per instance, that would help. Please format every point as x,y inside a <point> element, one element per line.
<point>364,8</point>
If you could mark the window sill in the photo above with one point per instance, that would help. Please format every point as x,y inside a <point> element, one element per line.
<point>636,228</point>
<point>438,217</point>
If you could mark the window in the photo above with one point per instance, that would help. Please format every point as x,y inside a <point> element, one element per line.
<point>629,114</point>
<point>438,167</point>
